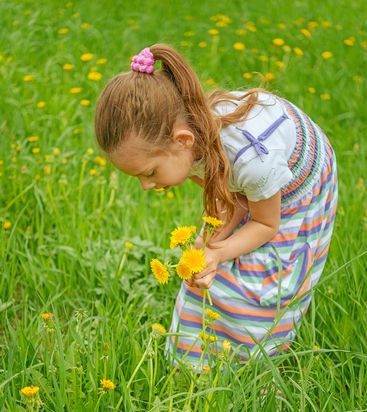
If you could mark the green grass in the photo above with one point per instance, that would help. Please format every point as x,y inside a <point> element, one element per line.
<point>66,215</point>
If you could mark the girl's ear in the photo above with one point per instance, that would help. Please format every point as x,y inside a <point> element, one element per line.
<point>183,137</point>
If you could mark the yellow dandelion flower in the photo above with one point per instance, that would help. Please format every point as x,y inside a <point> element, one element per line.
<point>41,105</point>
<point>94,76</point>
<point>128,245</point>
<point>36,150</point>
<point>278,42</point>
<point>56,151</point>
<point>206,369</point>
<point>6,225</point>
<point>207,338</point>
<point>170,195</point>
<point>33,139</point>
<point>160,272</point>
<point>213,32</point>
<point>90,151</point>
<point>84,26</point>
<point>211,82</point>
<point>247,76</point>
<point>239,46</point>
<point>93,172</point>
<point>350,41</point>
<point>269,76</point>
<point>212,221</point>
<point>280,64</point>
<point>298,51</point>
<point>183,271</point>
<point>63,30</point>
<point>47,317</point>
<point>47,170</point>
<point>86,57</point>
<point>159,329</point>
<point>194,259</point>
<point>84,102</point>
<point>203,44</point>
<point>226,346</point>
<point>75,90</point>
<point>325,96</point>
<point>101,61</point>
<point>28,78</point>
<point>287,49</point>
<point>68,66</point>
<point>107,384</point>
<point>181,235</point>
<point>326,55</point>
<point>306,33</point>
<point>316,347</point>
<point>263,58</point>
<point>312,90</point>
<point>30,391</point>
<point>212,315</point>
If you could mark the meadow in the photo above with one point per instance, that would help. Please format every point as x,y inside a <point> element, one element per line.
<point>79,306</point>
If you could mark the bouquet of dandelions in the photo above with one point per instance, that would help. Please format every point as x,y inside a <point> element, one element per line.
<point>192,259</point>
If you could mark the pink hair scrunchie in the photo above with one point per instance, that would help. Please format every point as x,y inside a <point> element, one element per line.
<point>143,62</point>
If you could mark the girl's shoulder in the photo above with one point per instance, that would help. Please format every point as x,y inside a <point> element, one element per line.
<point>264,99</point>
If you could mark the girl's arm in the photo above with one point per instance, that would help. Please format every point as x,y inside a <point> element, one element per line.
<point>263,226</point>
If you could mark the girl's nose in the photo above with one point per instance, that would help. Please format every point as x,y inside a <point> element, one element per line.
<point>146,184</point>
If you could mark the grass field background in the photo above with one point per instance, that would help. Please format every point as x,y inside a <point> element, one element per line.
<point>76,238</point>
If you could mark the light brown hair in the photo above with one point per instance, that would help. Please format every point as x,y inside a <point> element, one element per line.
<point>149,105</point>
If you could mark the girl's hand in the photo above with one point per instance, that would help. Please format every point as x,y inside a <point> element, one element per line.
<point>205,278</point>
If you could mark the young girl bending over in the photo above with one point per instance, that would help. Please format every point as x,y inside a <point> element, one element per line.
<point>266,170</point>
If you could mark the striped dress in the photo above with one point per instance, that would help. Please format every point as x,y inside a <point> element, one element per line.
<point>263,295</point>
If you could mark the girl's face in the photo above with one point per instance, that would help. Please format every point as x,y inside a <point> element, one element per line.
<point>168,168</point>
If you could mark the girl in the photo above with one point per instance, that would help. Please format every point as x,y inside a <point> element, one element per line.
<point>266,169</point>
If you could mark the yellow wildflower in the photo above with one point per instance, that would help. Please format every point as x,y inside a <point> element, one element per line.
<point>207,338</point>
<point>30,391</point>
<point>93,172</point>
<point>206,369</point>
<point>84,102</point>
<point>212,315</point>
<point>86,57</point>
<point>94,76</point>
<point>47,316</point>
<point>28,78</point>
<point>269,76</point>
<point>75,90</point>
<point>325,96</point>
<point>298,51</point>
<point>213,32</point>
<point>326,55</point>
<point>7,225</point>
<point>47,170</point>
<point>159,329</point>
<point>212,221</point>
<point>194,259</point>
<point>306,33</point>
<point>41,105</point>
<point>33,139</point>
<point>128,245</point>
<point>63,30</point>
<point>183,271</point>
<point>68,66</point>
<point>226,346</point>
<point>159,271</point>
<point>36,150</point>
<point>107,384</point>
<point>101,61</point>
<point>278,42</point>
<point>239,46</point>
<point>181,235</point>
